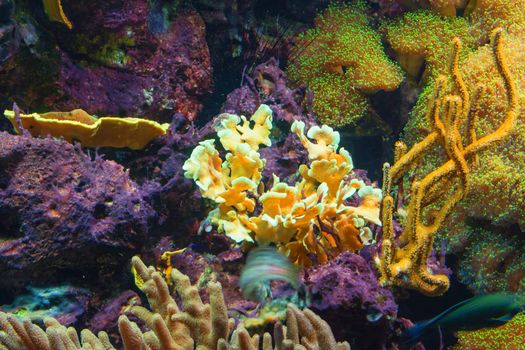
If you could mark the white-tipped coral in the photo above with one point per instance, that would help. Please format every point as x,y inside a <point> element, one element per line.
<point>193,325</point>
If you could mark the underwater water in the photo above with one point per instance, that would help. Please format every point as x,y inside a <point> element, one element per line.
<point>249,174</point>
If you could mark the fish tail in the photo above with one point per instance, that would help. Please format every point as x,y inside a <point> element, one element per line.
<point>414,334</point>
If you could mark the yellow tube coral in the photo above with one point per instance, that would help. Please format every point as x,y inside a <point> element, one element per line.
<point>77,125</point>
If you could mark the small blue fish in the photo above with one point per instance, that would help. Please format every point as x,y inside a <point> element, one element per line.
<point>264,265</point>
<point>482,311</point>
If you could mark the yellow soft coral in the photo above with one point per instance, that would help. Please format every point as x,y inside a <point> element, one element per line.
<point>77,125</point>
<point>309,218</point>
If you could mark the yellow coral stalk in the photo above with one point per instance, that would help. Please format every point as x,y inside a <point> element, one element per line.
<point>403,260</point>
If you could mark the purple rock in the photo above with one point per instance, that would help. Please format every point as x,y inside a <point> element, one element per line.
<point>346,291</point>
<point>65,212</point>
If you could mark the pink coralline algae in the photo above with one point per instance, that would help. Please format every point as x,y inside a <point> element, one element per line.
<point>345,291</point>
<point>124,58</point>
<point>62,212</point>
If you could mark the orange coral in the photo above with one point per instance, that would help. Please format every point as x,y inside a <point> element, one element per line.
<point>309,217</point>
<point>403,260</point>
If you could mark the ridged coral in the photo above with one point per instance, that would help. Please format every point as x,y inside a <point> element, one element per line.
<point>201,326</point>
<point>342,60</point>
<point>55,12</point>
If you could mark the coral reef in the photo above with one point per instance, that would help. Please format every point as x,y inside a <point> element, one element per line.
<point>310,217</point>
<point>403,259</point>
<point>335,58</point>
<point>346,290</point>
<point>251,215</point>
<point>79,126</point>
<point>202,326</point>
<point>503,174</point>
<point>64,212</point>
<point>498,183</point>
<point>121,58</point>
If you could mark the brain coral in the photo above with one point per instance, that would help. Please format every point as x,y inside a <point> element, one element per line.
<point>341,60</point>
<point>61,211</point>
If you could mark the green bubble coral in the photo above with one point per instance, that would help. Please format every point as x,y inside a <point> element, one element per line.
<point>342,60</point>
<point>492,259</point>
<point>424,39</point>
<point>509,336</point>
<point>489,14</point>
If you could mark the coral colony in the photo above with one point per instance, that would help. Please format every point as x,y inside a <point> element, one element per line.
<point>179,175</point>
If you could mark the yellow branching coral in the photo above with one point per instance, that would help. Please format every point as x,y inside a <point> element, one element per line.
<point>77,125</point>
<point>55,12</point>
<point>307,219</point>
<point>403,259</point>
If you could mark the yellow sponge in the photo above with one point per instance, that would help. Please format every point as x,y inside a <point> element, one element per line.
<point>77,125</point>
<point>55,12</point>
